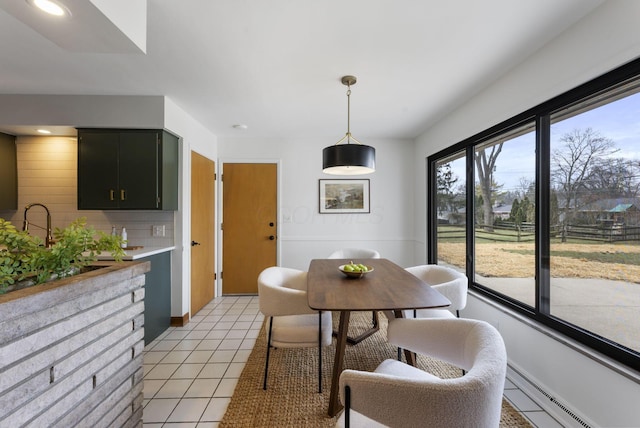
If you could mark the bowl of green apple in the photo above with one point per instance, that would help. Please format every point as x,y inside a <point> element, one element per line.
<point>355,270</point>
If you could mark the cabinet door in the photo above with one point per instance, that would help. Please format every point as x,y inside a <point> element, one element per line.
<point>97,170</point>
<point>8,173</point>
<point>169,171</point>
<point>138,170</point>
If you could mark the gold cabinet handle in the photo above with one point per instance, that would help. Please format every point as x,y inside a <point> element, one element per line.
<point>123,195</point>
<point>112,195</point>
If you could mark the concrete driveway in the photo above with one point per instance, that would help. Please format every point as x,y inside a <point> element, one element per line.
<point>608,308</point>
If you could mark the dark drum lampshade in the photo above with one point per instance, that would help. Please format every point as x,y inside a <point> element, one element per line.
<point>348,159</point>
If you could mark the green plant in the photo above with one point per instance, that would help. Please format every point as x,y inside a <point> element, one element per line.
<point>23,256</point>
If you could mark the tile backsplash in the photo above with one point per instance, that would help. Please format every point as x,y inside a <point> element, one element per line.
<point>47,173</point>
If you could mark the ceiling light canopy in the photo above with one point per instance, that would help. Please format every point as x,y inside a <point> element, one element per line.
<point>348,159</point>
<point>51,7</point>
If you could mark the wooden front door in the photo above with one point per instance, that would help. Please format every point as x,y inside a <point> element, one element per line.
<point>202,231</point>
<point>249,228</point>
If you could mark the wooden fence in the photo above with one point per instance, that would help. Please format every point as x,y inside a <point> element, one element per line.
<point>510,232</point>
<point>618,233</point>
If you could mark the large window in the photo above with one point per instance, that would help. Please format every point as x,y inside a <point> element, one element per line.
<point>451,211</point>
<point>504,230</point>
<point>595,242</point>
<point>551,213</point>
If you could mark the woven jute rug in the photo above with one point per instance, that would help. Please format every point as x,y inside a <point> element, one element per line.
<point>292,398</point>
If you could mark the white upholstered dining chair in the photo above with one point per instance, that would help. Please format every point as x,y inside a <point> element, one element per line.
<point>354,253</point>
<point>282,296</point>
<point>453,284</point>
<point>399,395</point>
<point>447,281</point>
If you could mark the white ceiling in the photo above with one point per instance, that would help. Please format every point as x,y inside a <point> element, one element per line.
<point>276,65</point>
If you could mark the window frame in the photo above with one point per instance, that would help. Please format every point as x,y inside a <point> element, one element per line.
<point>541,116</point>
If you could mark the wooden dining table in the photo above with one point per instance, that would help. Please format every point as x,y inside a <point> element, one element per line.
<point>387,287</point>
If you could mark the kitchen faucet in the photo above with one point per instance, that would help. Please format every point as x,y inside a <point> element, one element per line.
<point>25,225</point>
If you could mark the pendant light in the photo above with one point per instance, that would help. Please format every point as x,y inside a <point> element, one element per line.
<point>348,159</point>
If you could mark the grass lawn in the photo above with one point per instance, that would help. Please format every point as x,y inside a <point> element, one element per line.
<point>568,260</point>
<point>606,257</point>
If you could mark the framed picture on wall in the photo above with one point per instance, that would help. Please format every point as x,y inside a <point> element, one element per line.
<point>344,196</point>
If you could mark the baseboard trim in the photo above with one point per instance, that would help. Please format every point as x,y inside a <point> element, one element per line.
<point>179,321</point>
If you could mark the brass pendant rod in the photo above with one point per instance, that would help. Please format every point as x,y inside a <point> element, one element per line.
<point>348,112</point>
<point>348,136</point>
<point>348,81</point>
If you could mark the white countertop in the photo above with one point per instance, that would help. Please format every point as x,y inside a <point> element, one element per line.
<point>137,254</point>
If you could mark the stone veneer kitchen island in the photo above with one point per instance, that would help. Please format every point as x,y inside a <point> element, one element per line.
<point>71,350</point>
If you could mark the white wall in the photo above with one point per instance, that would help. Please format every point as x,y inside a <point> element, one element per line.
<point>194,137</point>
<point>305,234</point>
<point>607,38</point>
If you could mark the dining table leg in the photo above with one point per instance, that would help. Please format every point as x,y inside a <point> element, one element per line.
<point>338,363</point>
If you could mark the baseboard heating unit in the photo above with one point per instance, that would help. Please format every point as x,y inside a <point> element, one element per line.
<point>547,401</point>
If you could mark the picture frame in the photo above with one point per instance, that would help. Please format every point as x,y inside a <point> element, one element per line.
<point>345,196</point>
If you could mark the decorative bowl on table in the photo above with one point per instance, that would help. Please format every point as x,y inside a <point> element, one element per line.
<point>355,273</point>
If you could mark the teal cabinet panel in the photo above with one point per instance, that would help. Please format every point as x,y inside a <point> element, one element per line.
<point>157,296</point>
<point>170,162</point>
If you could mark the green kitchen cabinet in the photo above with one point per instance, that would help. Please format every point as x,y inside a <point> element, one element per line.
<point>8,173</point>
<point>127,170</point>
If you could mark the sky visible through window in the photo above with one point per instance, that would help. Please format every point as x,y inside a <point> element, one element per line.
<point>619,121</point>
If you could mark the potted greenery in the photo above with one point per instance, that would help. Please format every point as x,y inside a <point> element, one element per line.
<point>25,261</point>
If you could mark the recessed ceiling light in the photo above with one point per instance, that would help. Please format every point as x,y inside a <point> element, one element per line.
<point>44,131</point>
<point>240,126</point>
<point>51,7</point>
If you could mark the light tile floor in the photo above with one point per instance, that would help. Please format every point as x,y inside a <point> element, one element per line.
<point>191,371</point>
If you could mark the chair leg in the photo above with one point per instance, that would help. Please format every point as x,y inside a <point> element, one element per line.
<point>347,407</point>
<point>266,366</point>
<point>458,316</point>
<point>320,352</point>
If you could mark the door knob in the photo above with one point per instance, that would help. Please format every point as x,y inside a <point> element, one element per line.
<point>194,243</point>
<point>271,238</point>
